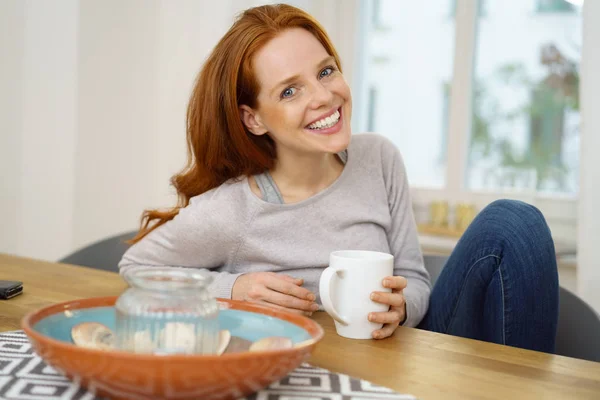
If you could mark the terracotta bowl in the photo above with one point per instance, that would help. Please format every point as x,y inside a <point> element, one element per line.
<point>123,375</point>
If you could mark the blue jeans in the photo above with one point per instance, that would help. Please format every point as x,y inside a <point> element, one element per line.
<point>500,284</point>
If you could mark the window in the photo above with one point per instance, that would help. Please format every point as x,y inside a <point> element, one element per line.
<point>481,8</point>
<point>406,60</point>
<point>445,120</point>
<point>544,6</point>
<point>376,15</point>
<point>525,121</point>
<point>372,106</point>
<point>484,105</point>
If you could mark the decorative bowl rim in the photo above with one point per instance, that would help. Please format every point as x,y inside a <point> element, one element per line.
<point>30,319</point>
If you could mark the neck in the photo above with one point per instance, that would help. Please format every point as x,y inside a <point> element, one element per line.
<point>301,176</point>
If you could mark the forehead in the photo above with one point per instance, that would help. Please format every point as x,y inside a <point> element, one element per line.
<point>293,52</point>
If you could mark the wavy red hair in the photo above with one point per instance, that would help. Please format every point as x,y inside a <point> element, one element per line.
<point>220,147</point>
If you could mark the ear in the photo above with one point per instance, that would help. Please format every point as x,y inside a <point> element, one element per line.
<point>251,120</point>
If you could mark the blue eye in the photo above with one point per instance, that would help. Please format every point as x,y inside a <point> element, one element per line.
<point>326,72</point>
<point>289,92</point>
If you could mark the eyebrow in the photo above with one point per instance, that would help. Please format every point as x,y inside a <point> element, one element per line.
<point>291,79</point>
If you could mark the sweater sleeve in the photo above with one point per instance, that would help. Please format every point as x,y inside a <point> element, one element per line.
<point>403,237</point>
<point>193,239</point>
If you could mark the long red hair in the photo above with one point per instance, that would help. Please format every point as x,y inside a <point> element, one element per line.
<point>220,147</point>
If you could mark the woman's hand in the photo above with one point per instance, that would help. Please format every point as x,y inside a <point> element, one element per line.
<point>275,290</point>
<point>397,313</point>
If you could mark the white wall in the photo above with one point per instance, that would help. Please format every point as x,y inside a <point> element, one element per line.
<point>588,272</point>
<point>11,72</point>
<point>118,106</point>
<point>93,97</point>
<point>49,115</point>
<point>38,125</point>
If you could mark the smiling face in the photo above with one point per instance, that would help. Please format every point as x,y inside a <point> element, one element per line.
<point>304,102</point>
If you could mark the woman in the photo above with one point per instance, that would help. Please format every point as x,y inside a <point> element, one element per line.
<point>274,183</point>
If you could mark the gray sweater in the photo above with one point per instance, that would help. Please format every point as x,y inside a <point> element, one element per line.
<point>231,231</point>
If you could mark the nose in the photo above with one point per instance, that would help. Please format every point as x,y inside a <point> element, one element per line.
<point>321,96</point>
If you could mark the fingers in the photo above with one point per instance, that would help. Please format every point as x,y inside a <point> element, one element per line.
<point>386,331</point>
<point>389,317</point>
<point>278,291</point>
<point>291,302</point>
<point>273,289</point>
<point>395,282</point>
<point>394,299</point>
<point>295,281</point>
<point>397,313</point>
<point>286,287</point>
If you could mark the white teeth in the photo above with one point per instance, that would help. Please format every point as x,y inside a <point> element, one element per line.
<point>327,122</point>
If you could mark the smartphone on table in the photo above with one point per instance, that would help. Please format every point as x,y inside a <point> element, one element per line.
<point>10,289</point>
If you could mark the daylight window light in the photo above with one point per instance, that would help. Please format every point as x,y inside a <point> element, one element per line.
<point>575,2</point>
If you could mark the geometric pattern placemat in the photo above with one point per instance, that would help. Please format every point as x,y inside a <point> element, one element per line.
<point>24,375</point>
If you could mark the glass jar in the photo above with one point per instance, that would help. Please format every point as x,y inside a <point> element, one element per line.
<point>167,311</point>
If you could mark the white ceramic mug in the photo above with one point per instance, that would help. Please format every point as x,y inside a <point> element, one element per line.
<point>346,286</point>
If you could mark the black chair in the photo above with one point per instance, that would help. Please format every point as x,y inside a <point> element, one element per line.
<point>578,333</point>
<point>104,254</point>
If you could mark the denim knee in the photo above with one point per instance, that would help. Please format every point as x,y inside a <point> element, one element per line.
<point>518,217</point>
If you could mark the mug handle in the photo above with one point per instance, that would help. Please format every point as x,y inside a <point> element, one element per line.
<point>324,289</point>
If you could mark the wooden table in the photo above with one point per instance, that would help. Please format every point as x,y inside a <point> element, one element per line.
<point>425,364</point>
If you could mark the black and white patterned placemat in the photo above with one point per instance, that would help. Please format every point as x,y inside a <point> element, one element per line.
<point>24,375</point>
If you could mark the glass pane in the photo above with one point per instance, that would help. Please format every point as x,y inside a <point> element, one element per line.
<point>554,6</point>
<point>525,126</point>
<point>404,74</point>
